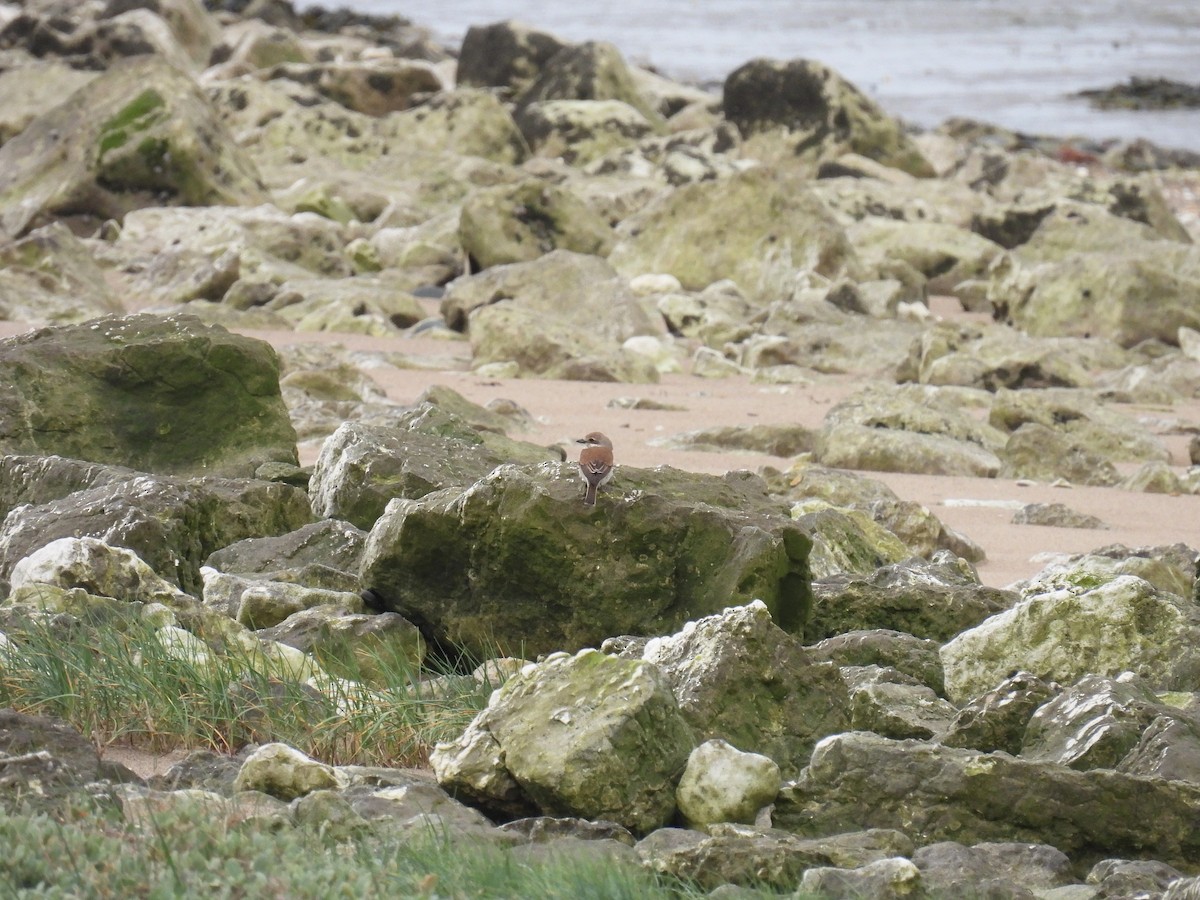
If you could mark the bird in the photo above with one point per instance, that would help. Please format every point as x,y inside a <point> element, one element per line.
<point>595,464</point>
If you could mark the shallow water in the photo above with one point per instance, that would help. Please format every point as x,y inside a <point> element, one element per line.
<point>1011,62</point>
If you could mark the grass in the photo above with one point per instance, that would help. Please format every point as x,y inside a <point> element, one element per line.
<point>113,678</point>
<point>116,680</point>
<point>94,854</point>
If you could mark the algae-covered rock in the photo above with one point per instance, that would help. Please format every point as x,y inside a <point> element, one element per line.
<point>997,719</point>
<point>822,114</point>
<point>935,599</point>
<point>173,524</point>
<point>163,395</point>
<point>937,793</point>
<point>740,678</point>
<point>505,54</point>
<point>50,276</point>
<point>142,134</point>
<point>511,562</point>
<point>757,228</point>
<point>593,70</point>
<point>581,131</point>
<point>522,221</point>
<point>362,467</point>
<point>587,735</point>
<point>1125,624</point>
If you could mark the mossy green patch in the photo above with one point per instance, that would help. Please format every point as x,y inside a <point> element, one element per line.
<point>137,115</point>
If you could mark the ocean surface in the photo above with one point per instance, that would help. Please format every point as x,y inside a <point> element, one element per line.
<point>1011,62</point>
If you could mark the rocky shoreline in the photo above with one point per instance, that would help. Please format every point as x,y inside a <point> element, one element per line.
<point>793,679</point>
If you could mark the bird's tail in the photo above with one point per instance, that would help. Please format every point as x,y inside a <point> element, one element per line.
<point>589,498</point>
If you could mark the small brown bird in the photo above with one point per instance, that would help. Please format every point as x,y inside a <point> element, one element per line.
<point>595,464</point>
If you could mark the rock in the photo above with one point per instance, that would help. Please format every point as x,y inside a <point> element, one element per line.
<point>723,784</point>
<point>1168,748</point>
<point>997,357</point>
<point>364,304</point>
<point>883,879</point>
<point>376,87</point>
<point>317,555</point>
<point>523,342</point>
<point>995,869</point>
<point>581,131</point>
<point>476,567</point>
<point>362,467</point>
<point>757,857</point>
<point>46,764</point>
<point>775,440</point>
<point>1155,478</point>
<point>738,677</point>
<point>1056,515</point>
<point>917,658</point>
<point>1131,878</point>
<point>1088,273</point>
<point>505,54</point>
<point>998,718</point>
<point>354,645</point>
<point>172,524</point>
<point>28,90</point>
<point>756,227</point>
<point>937,599</point>
<point>716,315</point>
<point>256,44</point>
<point>1169,568</point>
<point>93,565</point>
<point>163,395</point>
<point>519,222</point>
<point>845,542</point>
<point>892,704</point>
<point>1095,723</point>
<point>919,529</point>
<point>823,115</point>
<point>924,432</point>
<point>264,604</point>
<point>1078,416</point>
<point>1144,93</point>
<point>1124,624</point>
<point>132,146</point>
<point>941,793</point>
<point>593,70</point>
<point>1040,453</point>
<point>284,772</point>
<point>586,735</point>
<point>945,254</point>
<point>530,313</point>
<point>49,276</point>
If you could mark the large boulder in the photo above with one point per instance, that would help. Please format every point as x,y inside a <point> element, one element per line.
<point>587,735</point>
<point>757,228</point>
<point>1082,419</point>
<point>1125,624</point>
<point>1085,272</point>
<point>738,677</point>
<point>142,134</point>
<point>822,114</point>
<point>909,429</point>
<point>512,562</point>
<point>936,793</point>
<point>167,395</point>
